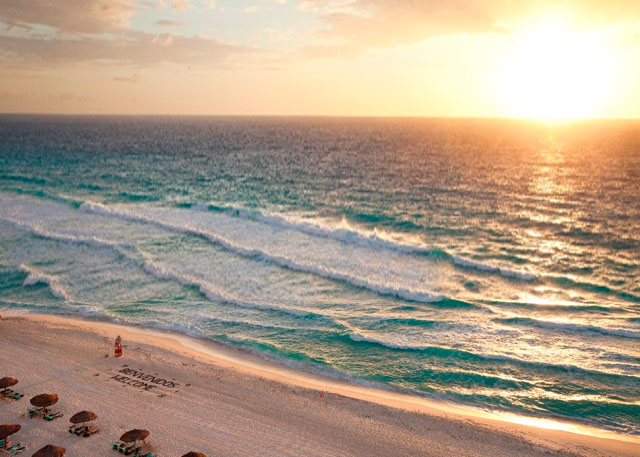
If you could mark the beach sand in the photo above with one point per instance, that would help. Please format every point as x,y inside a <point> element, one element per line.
<point>196,396</point>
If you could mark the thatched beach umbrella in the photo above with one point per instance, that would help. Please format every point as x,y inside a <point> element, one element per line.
<point>82,417</point>
<point>5,383</point>
<point>134,435</point>
<point>6,430</point>
<point>50,451</point>
<point>194,454</point>
<point>44,400</point>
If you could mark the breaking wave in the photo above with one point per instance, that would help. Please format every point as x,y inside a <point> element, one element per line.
<point>36,277</point>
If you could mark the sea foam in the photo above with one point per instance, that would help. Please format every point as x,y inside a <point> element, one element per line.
<point>36,277</point>
<point>182,224</point>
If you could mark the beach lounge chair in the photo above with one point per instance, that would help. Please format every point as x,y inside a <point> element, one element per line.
<point>13,395</point>
<point>53,415</point>
<point>125,448</point>
<point>16,448</point>
<point>140,453</point>
<point>33,412</point>
<point>84,430</point>
<point>78,429</point>
<point>89,430</point>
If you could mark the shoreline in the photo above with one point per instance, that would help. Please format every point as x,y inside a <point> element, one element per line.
<point>541,432</point>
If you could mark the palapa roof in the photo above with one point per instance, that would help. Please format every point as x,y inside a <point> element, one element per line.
<point>134,435</point>
<point>8,429</point>
<point>44,400</point>
<point>7,382</point>
<point>50,451</point>
<point>83,416</point>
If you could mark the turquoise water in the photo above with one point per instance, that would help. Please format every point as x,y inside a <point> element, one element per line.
<point>491,263</point>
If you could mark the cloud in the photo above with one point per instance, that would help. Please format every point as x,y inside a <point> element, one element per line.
<point>78,16</point>
<point>179,5</point>
<point>137,48</point>
<point>167,23</point>
<point>30,96</point>
<point>250,9</point>
<point>354,26</point>
<point>133,79</point>
<point>98,30</point>
<point>152,4</point>
<point>388,23</point>
<point>11,25</point>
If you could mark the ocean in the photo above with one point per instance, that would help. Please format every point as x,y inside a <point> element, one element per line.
<point>493,263</point>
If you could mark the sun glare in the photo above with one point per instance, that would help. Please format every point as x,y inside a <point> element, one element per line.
<point>557,73</point>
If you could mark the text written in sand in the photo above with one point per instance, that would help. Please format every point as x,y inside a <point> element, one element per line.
<point>143,381</point>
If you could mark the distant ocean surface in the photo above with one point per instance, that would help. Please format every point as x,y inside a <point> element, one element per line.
<point>493,263</point>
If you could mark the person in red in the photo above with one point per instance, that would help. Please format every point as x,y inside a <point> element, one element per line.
<point>118,347</point>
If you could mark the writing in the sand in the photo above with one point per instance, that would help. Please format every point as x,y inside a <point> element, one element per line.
<point>137,378</point>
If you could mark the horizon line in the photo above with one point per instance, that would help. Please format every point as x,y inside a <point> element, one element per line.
<point>344,116</point>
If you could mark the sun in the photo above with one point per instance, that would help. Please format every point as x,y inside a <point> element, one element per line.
<point>555,72</point>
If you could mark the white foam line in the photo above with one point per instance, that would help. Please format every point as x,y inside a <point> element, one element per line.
<point>345,232</point>
<point>466,263</point>
<point>564,326</point>
<point>152,268</point>
<point>34,277</point>
<point>325,272</point>
<point>208,290</point>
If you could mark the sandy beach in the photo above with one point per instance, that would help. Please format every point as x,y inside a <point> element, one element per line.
<point>196,396</point>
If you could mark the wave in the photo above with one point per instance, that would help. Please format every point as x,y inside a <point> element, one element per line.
<point>22,178</point>
<point>43,233</point>
<point>571,283</point>
<point>345,232</point>
<point>359,337</point>
<point>404,308</point>
<point>39,193</point>
<point>11,277</point>
<point>556,307</point>
<point>340,231</point>
<point>507,273</point>
<point>35,277</point>
<point>249,252</point>
<point>568,327</point>
<point>410,322</point>
<point>154,269</point>
<point>212,293</point>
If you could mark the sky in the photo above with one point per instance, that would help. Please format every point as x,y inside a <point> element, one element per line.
<point>467,58</point>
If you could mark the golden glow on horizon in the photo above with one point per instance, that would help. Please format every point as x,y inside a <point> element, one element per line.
<point>558,73</point>
<point>538,60</point>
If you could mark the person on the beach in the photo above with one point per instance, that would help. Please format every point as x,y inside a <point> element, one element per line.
<point>118,347</point>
